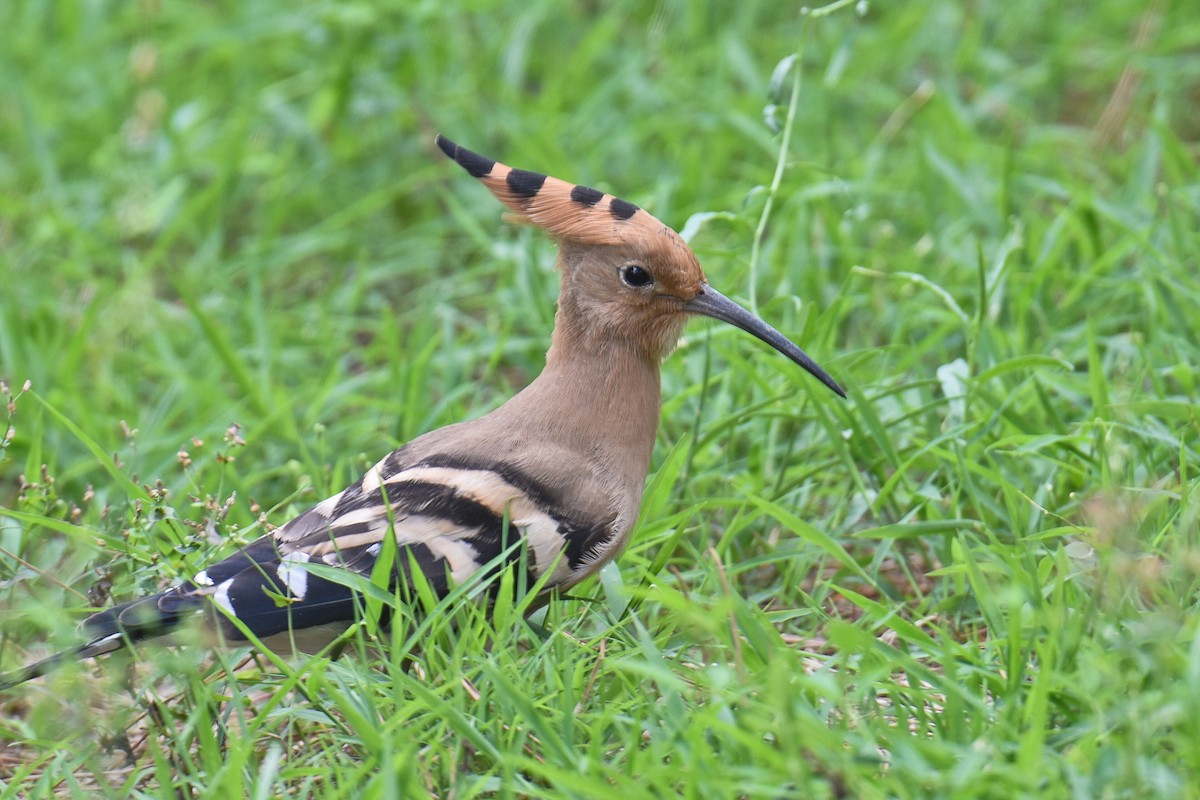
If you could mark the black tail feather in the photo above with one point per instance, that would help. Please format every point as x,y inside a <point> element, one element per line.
<point>107,631</point>
<point>139,619</point>
<point>96,647</point>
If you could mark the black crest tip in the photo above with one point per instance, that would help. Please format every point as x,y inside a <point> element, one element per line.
<point>524,183</point>
<point>621,209</point>
<point>476,165</point>
<point>586,195</point>
<point>445,145</point>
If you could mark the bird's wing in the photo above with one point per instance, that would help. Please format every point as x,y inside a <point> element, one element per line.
<point>449,518</point>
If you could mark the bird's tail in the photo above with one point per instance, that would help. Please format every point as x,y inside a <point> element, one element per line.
<point>107,631</point>
<point>96,647</point>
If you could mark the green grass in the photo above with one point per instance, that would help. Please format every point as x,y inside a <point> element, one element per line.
<point>977,578</point>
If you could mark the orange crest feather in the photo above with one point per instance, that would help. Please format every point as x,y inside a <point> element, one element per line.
<point>565,210</point>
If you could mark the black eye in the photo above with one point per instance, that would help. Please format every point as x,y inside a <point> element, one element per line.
<point>636,277</point>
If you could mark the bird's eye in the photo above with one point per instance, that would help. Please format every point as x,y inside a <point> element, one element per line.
<point>636,277</point>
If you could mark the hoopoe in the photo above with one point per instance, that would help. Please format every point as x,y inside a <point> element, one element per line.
<point>558,470</point>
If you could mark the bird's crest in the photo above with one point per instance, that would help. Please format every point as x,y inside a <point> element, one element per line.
<point>567,211</point>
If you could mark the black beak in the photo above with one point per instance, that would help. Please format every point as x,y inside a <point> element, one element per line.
<point>712,303</point>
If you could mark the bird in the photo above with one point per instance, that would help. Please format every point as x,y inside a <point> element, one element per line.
<point>556,472</point>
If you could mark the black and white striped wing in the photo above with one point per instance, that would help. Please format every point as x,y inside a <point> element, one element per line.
<point>449,518</point>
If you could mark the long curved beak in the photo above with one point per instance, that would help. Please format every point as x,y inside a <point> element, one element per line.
<point>712,303</point>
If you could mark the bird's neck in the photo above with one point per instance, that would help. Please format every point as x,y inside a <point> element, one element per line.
<point>582,431</point>
<point>607,392</point>
<point>597,398</point>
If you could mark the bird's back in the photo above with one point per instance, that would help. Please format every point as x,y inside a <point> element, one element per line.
<point>453,501</point>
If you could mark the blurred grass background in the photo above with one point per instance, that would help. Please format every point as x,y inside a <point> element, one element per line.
<point>236,271</point>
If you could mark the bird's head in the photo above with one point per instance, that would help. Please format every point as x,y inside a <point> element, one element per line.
<point>627,278</point>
